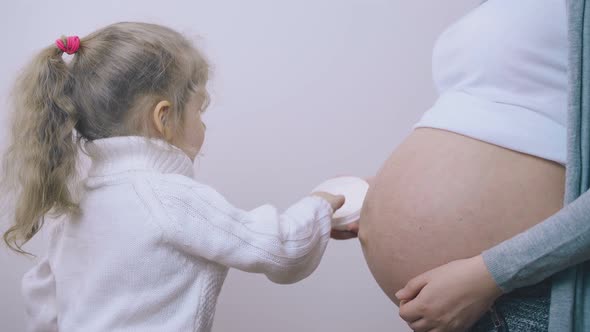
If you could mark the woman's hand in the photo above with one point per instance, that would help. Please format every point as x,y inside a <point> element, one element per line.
<point>451,297</point>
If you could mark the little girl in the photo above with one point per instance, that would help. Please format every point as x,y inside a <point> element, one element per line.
<point>144,247</point>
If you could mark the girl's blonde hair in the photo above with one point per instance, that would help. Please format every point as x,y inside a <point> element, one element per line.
<point>116,77</point>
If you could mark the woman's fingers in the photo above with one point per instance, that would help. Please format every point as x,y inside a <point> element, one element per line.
<point>409,314</point>
<point>421,325</point>
<point>413,288</point>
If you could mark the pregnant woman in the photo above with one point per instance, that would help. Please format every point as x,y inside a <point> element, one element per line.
<point>486,163</point>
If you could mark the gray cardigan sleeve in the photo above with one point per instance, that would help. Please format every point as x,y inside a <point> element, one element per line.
<point>561,241</point>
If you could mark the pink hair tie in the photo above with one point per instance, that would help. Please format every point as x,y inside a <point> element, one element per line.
<point>72,44</point>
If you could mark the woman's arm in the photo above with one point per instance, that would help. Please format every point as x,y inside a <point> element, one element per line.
<point>455,295</point>
<point>561,241</point>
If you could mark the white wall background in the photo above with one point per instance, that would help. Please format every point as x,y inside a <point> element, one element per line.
<point>303,90</point>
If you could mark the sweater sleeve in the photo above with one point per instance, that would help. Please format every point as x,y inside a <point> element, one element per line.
<point>38,289</point>
<point>559,242</point>
<point>285,247</point>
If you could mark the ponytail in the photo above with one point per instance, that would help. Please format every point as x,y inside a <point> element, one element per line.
<point>105,91</point>
<point>42,156</point>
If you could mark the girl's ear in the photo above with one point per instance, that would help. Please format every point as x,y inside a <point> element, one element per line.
<point>160,116</point>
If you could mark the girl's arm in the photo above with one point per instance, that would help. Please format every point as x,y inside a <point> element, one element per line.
<point>285,247</point>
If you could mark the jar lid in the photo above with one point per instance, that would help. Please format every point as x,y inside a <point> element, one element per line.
<point>354,189</point>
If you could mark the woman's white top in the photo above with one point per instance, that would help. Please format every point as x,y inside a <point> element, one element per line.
<point>501,72</point>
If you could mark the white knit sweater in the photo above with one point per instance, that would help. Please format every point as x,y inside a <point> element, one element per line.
<point>152,247</point>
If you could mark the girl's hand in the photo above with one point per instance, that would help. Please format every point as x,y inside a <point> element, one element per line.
<point>451,297</point>
<point>336,201</point>
<point>351,232</point>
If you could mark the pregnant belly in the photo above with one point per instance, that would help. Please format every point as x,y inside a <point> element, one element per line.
<point>443,196</point>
